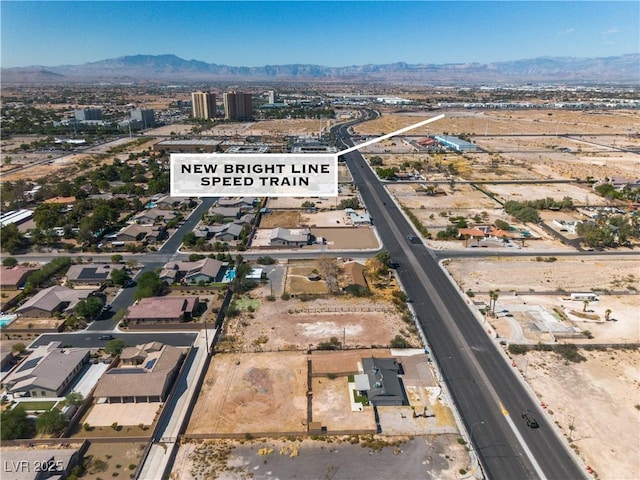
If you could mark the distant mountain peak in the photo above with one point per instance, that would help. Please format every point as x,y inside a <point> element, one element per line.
<point>170,67</point>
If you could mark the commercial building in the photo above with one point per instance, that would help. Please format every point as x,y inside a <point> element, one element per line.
<point>455,143</point>
<point>203,105</point>
<point>238,106</point>
<point>84,114</point>
<point>142,118</point>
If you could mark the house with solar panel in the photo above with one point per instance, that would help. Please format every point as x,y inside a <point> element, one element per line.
<point>47,372</point>
<point>145,374</point>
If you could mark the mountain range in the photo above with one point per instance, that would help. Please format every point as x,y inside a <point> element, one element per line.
<point>624,69</point>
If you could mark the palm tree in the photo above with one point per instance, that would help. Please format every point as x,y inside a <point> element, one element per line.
<point>607,313</point>
<point>493,298</point>
<point>585,304</point>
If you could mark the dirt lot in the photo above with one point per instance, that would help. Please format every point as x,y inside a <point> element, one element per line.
<point>594,140</point>
<point>244,393</point>
<point>357,238</point>
<point>110,460</point>
<point>428,457</point>
<point>529,275</point>
<point>599,398</point>
<point>604,413</point>
<point>294,325</point>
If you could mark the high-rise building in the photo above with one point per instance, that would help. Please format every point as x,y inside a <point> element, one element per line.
<point>143,118</point>
<point>203,105</point>
<point>271,96</point>
<point>238,106</point>
<point>85,114</point>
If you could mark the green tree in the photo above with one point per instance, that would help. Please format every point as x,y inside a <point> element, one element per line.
<point>189,239</point>
<point>149,285</point>
<point>51,422</point>
<point>9,262</point>
<point>18,348</point>
<point>114,347</point>
<point>73,398</point>
<point>15,424</point>
<point>120,276</point>
<point>349,203</point>
<point>89,308</point>
<point>375,161</point>
<point>11,239</point>
<point>116,258</point>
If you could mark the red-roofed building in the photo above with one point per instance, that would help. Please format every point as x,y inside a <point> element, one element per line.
<point>12,278</point>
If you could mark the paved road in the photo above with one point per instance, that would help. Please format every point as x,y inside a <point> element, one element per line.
<point>90,339</point>
<point>484,387</point>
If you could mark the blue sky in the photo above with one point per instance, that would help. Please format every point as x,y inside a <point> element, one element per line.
<point>326,33</point>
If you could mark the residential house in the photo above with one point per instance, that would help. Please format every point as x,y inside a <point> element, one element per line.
<point>140,233</point>
<point>169,203</point>
<point>229,213</point>
<point>12,278</point>
<point>90,273</point>
<point>206,269</point>
<point>237,202</point>
<point>357,219</point>
<point>145,375</point>
<point>47,371</point>
<point>154,216</point>
<point>230,233</point>
<point>53,300</point>
<point>381,383</point>
<point>284,237</point>
<point>163,309</point>
<point>353,273</point>
<point>208,231</point>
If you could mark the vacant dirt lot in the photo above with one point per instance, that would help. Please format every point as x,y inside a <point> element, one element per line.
<point>357,238</point>
<point>295,325</point>
<point>599,398</point>
<point>427,457</point>
<point>263,392</point>
<point>528,275</point>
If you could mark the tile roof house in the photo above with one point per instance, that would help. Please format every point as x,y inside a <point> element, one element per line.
<point>91,273</point>
<point>206,269</point>
<point>289,237</point>
<point>154,216</point>
<point>163,309</point>
<point>145,375</point>
<point>12,278</point>
<point>47,371</point>
<point>231,232</point>
<point>53,299</point>
<point>238,202</point>
<point>229,213</point>
<point>384,385</point>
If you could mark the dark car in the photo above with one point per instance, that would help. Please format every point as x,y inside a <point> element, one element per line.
<point>530,419</point>
<point>106,337</point>
<point>394,265</point>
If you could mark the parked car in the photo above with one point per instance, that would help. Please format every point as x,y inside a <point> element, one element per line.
<point>106,337</point>
<point>530,419</point>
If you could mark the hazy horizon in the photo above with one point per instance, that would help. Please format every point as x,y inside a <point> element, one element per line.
<point>332,34</point>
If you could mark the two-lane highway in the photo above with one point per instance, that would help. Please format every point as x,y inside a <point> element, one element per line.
<point>485,388</point>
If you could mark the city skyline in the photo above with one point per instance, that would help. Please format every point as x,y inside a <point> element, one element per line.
<point>323,33</point>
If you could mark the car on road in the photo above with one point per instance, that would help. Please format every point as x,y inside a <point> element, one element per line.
<point>106,337</point>
<point>106,307</point>
<point>130,283</point>
<point>394,265</point>
<point>530,419</point>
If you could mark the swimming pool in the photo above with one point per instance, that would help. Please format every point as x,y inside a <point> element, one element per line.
<point>6,320</point>
<point>229,275</point>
